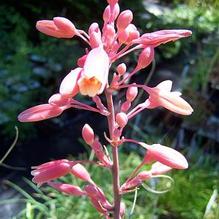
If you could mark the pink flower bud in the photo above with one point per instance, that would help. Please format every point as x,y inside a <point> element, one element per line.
<point>88,134</point>
<point>136,181</point>
<point>98,150</point>
<point>95,35</point>
<point>165,155</point>
<point>81,61</point>
<point>112,2</point>
<point>67,189</point>
<point>59,100</point>
<point>40,112</point>
<point>131,93</point>
<point>107,14</point>
<point>97,196</point>
<point>125,106</point>
<point>109,34</point>
<point>121,119</point>
<point>58,27</point>
<point>133,32</point>
<point>121,68</point>
<point>162,36</point>
<point>123,36</point>
<point>124,19</point>
<point>51,170</point>
<point>145,57</point>
<point>69,86</point>
<point>158,168</point>
<point>79,171</point>
<point>122,209</point>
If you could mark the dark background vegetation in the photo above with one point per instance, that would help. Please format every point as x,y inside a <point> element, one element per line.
<point>32,66</point>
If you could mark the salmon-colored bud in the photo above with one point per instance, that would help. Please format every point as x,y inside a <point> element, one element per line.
<point>79,171</point>
<point>124,19</point>
<point>97,195</point>
<point>98,150</point>
<point>162,36</point>
<point>88,134</point>
<point>121,69</point>
<point>145,57</point>
<point>81,61</point>
<point>107,14</point>
<point>133,32</point>
<point>165,155</point>
<point>123,36</point>
<point>161,95</point>
<point>158,168</point>
<point>95,35</point>
<point>69,86</point>
<point>109,34</point>
<point>59,100</point>
<point>67,189</point>
<point>51,170</point>
<point>112,2</point>
<point>136,181</point>
<point>40,112</point>
<point>121,119</point>
<point>131,93</point>
<point>94,76</point>
<point>122,209</point>
<point>59,27</point>
<point>125,106</point>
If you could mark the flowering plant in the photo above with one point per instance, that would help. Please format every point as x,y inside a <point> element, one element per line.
<point>92,77</point>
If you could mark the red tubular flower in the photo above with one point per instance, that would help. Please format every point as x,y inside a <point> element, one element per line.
<point>51,170</point>
<point>165,155</point>
<point>40,112</point>
<point>67,189</point>
<point>162,36</point>
<point>59,27</point>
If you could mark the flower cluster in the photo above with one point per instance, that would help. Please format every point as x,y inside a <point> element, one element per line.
<point>92,77</point>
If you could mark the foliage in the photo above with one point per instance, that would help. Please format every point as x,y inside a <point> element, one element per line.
<point>187,199</point>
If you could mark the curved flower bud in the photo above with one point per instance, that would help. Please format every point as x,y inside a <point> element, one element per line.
<point>59,27</point>
<point>136,181</point>
<point>94,76</point>
<point>133,32</point>
<point>40,112</point>
<point>146,57</point>
<point>162,36</point>
<point>95,35</point>
<point>121,119</point>
<point>165,155</point>
<point>124,19</point>
<point>51,170</point>
<point>158,168</point>
<point>131,93</point>
<point>121,69</point>
<point>88,134</point>
<point>69,86</point>
<point>59,100</point>
<point>125,106</point>
<point>96,195</point>
<point>162,96</point>
<point>79,171</point>
<point>67,189</point>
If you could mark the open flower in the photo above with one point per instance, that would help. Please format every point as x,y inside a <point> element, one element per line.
<point>161,95</point>
<point>59,27</point>
<point>94,76</point>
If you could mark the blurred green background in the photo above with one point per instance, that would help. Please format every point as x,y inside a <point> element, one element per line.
<point>31,69</point>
